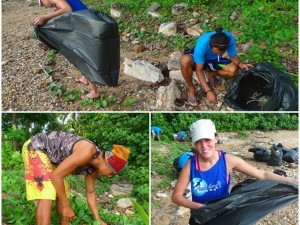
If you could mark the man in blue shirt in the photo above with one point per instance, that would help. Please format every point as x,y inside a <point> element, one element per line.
<point>156,132</point>
<point>207,55</point>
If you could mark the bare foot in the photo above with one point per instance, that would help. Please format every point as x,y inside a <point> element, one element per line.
<point>90,95</point>
<point>81,81</point>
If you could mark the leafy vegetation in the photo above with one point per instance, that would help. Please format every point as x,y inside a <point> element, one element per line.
<point>235,122</point>
<point>104,130</point>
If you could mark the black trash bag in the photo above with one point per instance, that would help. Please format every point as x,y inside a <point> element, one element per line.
<point>262,88</point>
<point>260,154</point>
<point>291,156</point>
<point>247,205</point>
<point>276,156</point>
<point>89,40</point>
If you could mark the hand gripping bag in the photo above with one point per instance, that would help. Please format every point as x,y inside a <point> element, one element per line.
<point>247,204</point>
<point>89,40</point>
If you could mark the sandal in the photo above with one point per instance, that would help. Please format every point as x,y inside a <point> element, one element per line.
<point>191,100</point>
<point>80,82</point>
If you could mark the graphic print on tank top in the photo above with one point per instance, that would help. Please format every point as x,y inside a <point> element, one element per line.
<point>210,184</point>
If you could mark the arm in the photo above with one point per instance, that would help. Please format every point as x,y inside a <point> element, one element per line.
<point>240,165</point>
<point>82,153</point>
<point>240,63</point>
<point>91,196</point>
<point>63,6</point>
<point>209,93</point>
<point>182,183</point>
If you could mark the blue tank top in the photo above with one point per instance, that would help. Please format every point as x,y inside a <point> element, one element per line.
<point>76,5</point>
<point>211,184</point>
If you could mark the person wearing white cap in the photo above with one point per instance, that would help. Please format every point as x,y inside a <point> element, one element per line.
<point>209,170</point>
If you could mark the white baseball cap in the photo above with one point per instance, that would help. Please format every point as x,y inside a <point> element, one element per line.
<point>202,129</point>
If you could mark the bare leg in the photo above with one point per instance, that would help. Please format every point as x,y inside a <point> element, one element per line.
<point>94,93</point>
<point>59,209</point>
<point>186,66</point>
<point>43,212</point>
<point>82,80</point>
<point>228,71</point>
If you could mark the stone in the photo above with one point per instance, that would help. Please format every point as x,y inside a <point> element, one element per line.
<point>115,13</point>
<point>194,31</point>
<point>143,70</point>
<point>178,8</point>
<point>161,195</point>
<point>168,28</point>
<point>121,189</point>
<point>167,95</point>
<point>124,203</point>
<point>174,64</point>
<point>176,55</point>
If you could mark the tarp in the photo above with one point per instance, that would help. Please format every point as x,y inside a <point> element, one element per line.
<point>246,205</point>
<point>262,88</point>
<point>89,40</point>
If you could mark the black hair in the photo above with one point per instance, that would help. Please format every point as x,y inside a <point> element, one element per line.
<point>219,39</point>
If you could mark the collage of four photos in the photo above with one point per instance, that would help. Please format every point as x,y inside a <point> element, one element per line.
<point>149,112</point>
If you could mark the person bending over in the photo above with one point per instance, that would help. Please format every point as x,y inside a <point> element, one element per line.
<point>208,55</point>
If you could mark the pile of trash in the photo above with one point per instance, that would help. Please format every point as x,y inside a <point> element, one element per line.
<point>277,155</point>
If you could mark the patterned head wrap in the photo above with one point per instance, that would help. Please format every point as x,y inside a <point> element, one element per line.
<point>117,158</point>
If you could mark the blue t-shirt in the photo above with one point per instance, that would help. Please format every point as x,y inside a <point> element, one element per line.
<point>156,130</point>
<point>76,5</point>
<point>181,135</point>
<point>203,51</point>
<point>211,184</point>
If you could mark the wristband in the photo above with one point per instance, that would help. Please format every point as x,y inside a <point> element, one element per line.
<point>208,91</point>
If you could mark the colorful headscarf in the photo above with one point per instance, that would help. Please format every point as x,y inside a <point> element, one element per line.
<point>117,158</point>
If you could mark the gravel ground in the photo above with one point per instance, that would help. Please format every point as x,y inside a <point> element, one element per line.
<point>164,212</point>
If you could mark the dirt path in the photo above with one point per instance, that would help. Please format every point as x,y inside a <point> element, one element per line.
<point>164,212</point>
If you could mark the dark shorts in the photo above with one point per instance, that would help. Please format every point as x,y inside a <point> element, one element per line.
<point>215,64</point>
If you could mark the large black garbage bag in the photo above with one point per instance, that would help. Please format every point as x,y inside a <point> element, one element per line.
<point>89,40</point>
<point>246,205</point>
<point>262,88</point>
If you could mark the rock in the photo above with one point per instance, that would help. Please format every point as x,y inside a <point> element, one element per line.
<point>153,10</point>
<point>143,70</point>
<point>167,95</point>
<point>194,31</point>
<point>176,55</point>
<point>168,28</point>
<point>124,203</point>
<point>161,195</point>
<point>115,13</point>
<point>233,15</point>
<point>139,48</point>
<point>174,64</point>
<point>178,8</point>
<point>121,189</point>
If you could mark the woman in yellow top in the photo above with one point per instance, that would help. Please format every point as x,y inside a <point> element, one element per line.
<point>50,157</point>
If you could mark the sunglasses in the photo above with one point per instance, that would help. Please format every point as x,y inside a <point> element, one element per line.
<point>220,47</point>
